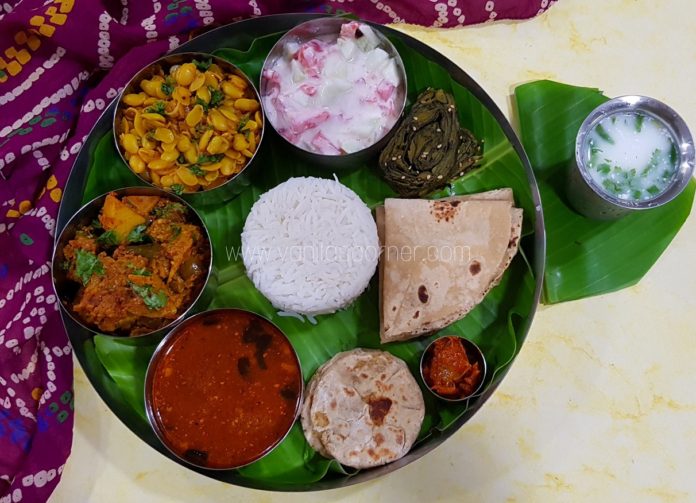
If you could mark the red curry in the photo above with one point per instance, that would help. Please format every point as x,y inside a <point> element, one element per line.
<point>227,389</point>
<point>449,371</point>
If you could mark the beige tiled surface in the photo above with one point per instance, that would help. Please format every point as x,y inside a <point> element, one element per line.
<point>601,403</point>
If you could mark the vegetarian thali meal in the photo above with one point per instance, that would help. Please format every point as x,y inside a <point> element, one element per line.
<point>334,96</point>
<point>631,156</point>
<point>441,257</point>
<point>429,148</point>
<point>451,369</point>
<point>138,266</point>
<point>363,408</point>
<point>192,127</point>
<point>310,245</point>
<point>225,388</point>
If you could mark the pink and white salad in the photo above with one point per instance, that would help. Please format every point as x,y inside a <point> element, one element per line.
<point>333,97</point>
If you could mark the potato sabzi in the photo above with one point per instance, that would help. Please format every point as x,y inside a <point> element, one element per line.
<point>139,265</point>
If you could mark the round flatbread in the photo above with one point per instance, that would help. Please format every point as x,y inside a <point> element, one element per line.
<point>363,408</point>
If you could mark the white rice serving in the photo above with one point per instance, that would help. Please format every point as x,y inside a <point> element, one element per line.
<point>310,245</point>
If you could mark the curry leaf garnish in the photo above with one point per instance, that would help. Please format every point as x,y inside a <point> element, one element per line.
<point>139,271</point>
<point>216,97</point>
<point>177,188</point>
<point>196,170</point>
<point>164,211</point>
<point>87,264</point>
<point>167,88</point>
<point>203,159</point>
<point>153,300</point>
<point>203,65</point>
<point>243,122</point>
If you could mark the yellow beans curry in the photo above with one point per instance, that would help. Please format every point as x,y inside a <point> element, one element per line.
<point>191,128</point>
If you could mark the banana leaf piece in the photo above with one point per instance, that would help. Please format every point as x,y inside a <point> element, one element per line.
<point>585,257</point>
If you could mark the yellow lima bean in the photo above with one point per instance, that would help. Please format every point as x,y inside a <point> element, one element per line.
<point>252,142</point>
<point>134,100</point>
<point>215,69</point>
<point>167,180</point>
<point>211,79</point>
<point>229,113</point>
<point>239,143</point>
<point>248,153</point>
<point>258,117</point>
<point>194,116</point>
<point>203,94</point>
<point>203,142</point>
<point>218,145</point>
<point>232,91</point>
<point>217,120</point>
<point>246,105</point>
<point>151,87</point>
<point>147,154</point>
<point>185,74</point>
<point>197,83</point>
<point>212,175</point>
<point>159,164</point>
<point>211,167</point>
<point>169,147</point>
<point>139,125</point>
<point>227,166</point>
<point>164,135</point>
<point>155,178</point>
<point>148,143</point>
<point>250,126</point>
<point>182,95</point>
<point>237,81</point>
<point>183,143</point>
<point>186,176</point>
<point>130,143</point>
<point>191,155</point>
<point>136,164</point>
<point>170,155</point>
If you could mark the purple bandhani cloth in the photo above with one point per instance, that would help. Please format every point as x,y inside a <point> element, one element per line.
<point>61,63</point>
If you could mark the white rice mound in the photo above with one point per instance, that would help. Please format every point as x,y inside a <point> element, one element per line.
<point>310,245</point>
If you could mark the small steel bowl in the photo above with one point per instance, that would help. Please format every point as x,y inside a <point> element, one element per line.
<point>66,289</point>
<point>328,28</point>
<point>236,183</point>
<point>473,353</point>
<point>165,346</point>
<point>592,201</point>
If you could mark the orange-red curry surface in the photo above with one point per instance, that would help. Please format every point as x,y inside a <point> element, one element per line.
<point>227,390</point>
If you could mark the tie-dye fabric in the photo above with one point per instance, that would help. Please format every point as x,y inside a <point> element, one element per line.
<point>61,63</point>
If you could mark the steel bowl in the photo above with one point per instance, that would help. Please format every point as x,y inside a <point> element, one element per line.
<point>167,343</point>
<point>238,182</point>
<point>67,289</point>
<point>328,28</point>
<point>473,353</point>
<point>590,199</point>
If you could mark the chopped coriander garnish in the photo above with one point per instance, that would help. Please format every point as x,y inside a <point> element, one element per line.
<point>87,264</point>
<point>202,65</point>
<point>196,170</point>
<point>203,159</point>
<point>108,239</point>
<point>153,301</point>
<point>167,88</point>
<point>176,231</point>
<point>242,122</point>
<point>603,134</point>
<point>157,108</point>
<point>202,103</point>
<point>139,271</point>
<point>137,235</point>
<point>96,224</point>
<point>639,122</point>
<point>216,97</point>
<point>165,210</point>
<point>177,188</point>
<point>181,159</point>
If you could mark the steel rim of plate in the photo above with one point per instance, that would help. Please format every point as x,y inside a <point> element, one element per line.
<point>223,37</point>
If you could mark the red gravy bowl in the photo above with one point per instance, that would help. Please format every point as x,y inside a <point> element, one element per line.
<point>223,389</point>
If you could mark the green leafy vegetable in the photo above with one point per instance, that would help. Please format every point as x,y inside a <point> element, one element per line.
<point>603,134</point>
<point>96,224</point>
<point>181,159</point>
<point>108,239</point>
<point>176,232</point>
<point>639,122</point>
<point>137,235</point>
<point>87,264</point>
<point>202,103</point>
<point>177,188</point>
<point>153,300</point>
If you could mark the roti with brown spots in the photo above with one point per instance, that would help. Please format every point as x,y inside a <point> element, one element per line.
<point>363,408</point>
<point>441,257</point>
